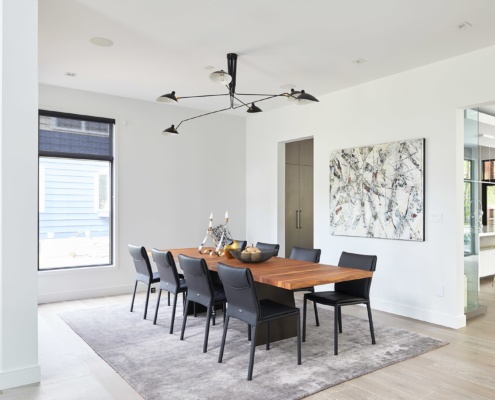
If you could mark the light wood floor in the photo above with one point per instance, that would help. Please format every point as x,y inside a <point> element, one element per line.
<point>465,369</point>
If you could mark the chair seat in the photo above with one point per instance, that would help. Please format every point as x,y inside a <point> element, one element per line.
<point>270,309</point>
<point>219,294</point>
<point>334,298</point>
<point>156,277</point>
<point>305,289</point>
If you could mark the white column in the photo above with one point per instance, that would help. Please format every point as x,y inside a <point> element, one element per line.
<point>18,193</point>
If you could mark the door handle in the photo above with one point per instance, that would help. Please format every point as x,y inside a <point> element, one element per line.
<point>300,212</point>
<point>297,219</point>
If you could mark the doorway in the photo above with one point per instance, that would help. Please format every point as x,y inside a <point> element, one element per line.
<point>298,195</point>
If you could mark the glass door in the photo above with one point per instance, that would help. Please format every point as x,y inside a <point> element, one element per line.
<point>473,214</point>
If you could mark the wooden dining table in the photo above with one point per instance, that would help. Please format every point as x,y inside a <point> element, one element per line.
<point>276,279</point>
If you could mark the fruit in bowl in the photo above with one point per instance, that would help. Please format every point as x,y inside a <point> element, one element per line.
<point>252,255</point>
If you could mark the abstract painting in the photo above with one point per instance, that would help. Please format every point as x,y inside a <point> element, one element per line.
<point>378,191</point>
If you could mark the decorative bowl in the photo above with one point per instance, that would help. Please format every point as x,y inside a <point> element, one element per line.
<point>258,257</point>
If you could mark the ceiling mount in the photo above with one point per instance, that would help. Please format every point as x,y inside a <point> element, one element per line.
<point>228,79</point>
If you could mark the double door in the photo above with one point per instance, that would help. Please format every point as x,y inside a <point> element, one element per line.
<point>298,195</point>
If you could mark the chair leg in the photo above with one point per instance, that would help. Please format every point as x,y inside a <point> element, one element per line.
<point>184,321</point>
<point>335,331</point>
<point>173,313</point>
<point>305,304</point>
<point>316,314</point>
<point>184,303</point>
<point>213,313</point>
<point>169,299</point>
<point>340,318</point>
<point>224,311</point>
<point>371,324</point>
<point>133,296</point>
<point>224,336</point>
<point>207,330</point>
<point>267,335</point>
<point>299,339</point>
<point>147,301</point>
<point>251,354</point>
<point>157,305</point>
<point>249,333</point>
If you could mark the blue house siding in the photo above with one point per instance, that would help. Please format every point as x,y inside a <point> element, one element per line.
<point>69,198</point>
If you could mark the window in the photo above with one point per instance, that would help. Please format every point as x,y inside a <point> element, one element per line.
<point>75,220</point>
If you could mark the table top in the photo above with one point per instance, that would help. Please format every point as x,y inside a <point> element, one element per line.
<point>283,272</point>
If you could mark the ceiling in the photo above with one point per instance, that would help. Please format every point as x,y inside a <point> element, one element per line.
<point>165,45</point>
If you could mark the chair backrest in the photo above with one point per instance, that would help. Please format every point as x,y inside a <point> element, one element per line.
<point>199,286</point>
<point>303,254</point>
<point>165,263</point>
<point>268,246</point>
<point>141,262</point>
<point>360,287</point>
<point>240,292</point>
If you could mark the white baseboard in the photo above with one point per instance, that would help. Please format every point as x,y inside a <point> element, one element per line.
<point>20,377</point>
<point>449,321</point>
<point>88,293</point>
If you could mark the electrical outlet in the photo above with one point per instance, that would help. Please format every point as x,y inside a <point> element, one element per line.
<point>153,290</point>
<point>436,218</point>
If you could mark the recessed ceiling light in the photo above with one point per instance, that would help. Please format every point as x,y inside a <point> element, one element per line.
<point>359,61</point>
<point>287,86</point>
<point>464,25</point>
<point>101,41</point>
<point>209,67</point>
<point>71,74</point>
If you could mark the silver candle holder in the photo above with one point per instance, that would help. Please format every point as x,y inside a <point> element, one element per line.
<point>218,235</point>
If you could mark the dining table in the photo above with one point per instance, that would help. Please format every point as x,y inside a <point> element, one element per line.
<point>276,279</point>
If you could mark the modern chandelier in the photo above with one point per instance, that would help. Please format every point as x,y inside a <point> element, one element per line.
<point>228,79</point>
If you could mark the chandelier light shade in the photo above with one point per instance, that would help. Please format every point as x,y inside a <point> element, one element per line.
<point>221,77</point>
<point>305,98</point>
<point>254,109</point>
<point>228,79</point>
<point>167,98</point>
<point>170,131</point>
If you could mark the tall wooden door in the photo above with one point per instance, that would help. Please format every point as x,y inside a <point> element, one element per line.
<point>298,195</point>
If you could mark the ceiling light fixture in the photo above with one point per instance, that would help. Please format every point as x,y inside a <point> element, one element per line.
<point>101,41</point>
<point>464,25</point>
<point>229,80</point>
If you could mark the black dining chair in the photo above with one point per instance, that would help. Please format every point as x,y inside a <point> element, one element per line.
<point>345,294</point>
<point>309,255</point>
<point>143,272</point>
<point>244,305</point>
<point>169,280</point>
<point>268,246</point>
<point>201,290</point>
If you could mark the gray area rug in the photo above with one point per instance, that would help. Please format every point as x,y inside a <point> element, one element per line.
<point>160,366</point>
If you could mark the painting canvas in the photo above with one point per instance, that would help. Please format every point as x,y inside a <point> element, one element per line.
<point>378,191</point>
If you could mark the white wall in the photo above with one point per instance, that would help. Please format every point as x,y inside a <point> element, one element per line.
<point>18,184</point>
<point>423,102</point>
<point>166,187</point>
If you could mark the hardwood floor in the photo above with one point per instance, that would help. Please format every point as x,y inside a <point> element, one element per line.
<point>465,369</point>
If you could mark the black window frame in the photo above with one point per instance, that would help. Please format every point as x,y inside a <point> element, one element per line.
<point>80,156</point>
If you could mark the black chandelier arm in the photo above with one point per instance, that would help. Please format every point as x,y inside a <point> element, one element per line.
<point>263,94</point>
<point>266,98</point>
<point>240,101</point>
<point>202,95</point>
<point>202,115</point>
